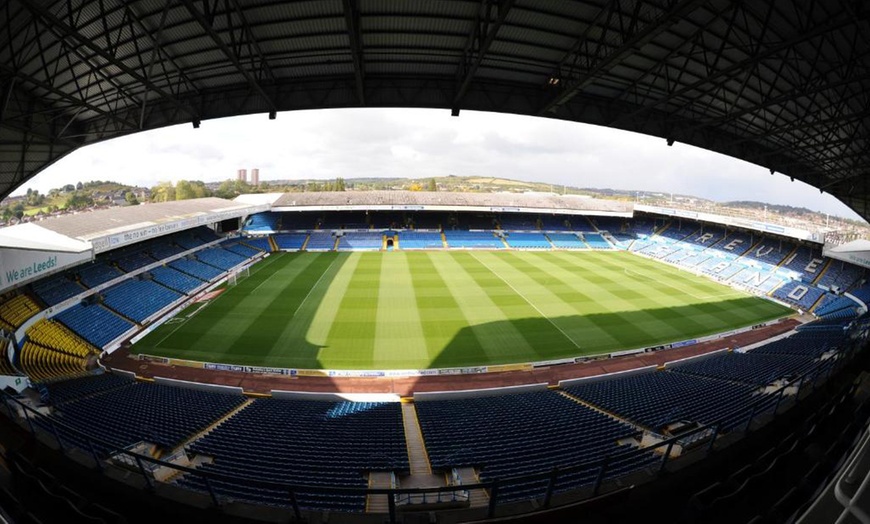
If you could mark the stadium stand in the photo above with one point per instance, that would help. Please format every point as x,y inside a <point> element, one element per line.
<point>806,261</point>
<point>659,398</point>
<point>94,323</point>
<point>359,240</point>
<point>242,249</point>
<point>134,261</point>
<point>562,223</point>
<point>196,268</point>
<point>420,240</point>
<point>735,243</point>
<point>54,335</point>
<point>263,222</point>
<point>139,299</point>
<point>161,249</point>
<point>6,367</point>
<point>70,390</point>
<point>92,275</point>
<point>750,368</point>
<point>524,433</point>
<point>320,241</point>
<point>473,240</point>
<point>176,280</point>
<point>303,442</point>
<point>220,258</point>
<point>43,364</point>
<point>841,276</point>
<point>259,243</point>
<point>799,294</point>
<point>143,411</point>
<point>291,241</point>
<point>528,241</point>
<point>518,222</point>
<point>16,310</point>
<point>56,289</point>
<point>596,241</point>
<point>566,241</point>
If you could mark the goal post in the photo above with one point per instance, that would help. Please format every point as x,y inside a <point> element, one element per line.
<point>237,274</point>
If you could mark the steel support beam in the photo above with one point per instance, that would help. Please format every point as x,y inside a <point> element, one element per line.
<point>483,34</point>
<point>68,32</point>
<point>629,45</point>
<point>209,30</point>
<point>354,36</point>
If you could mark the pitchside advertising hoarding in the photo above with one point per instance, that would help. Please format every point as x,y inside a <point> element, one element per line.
<point>20,266</point>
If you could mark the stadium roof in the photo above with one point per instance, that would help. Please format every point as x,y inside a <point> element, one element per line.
<point>782,84</point>
<point>410,200</point>
<point>96,228</point>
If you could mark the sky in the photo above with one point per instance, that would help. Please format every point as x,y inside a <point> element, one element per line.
<point>422,143</point>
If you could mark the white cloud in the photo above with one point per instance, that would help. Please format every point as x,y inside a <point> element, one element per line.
<point>422,143</point>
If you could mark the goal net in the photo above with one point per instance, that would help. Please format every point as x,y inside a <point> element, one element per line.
<point>238,274</point>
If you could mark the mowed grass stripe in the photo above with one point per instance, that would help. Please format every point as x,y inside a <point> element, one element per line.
<point>445,327</point>
<point>500,340</point>
<point>351,339</point>
<point>398,329</point>
<point>618,312</point>
<point>292,344</point>
<point>279,304</point>
<point>213,329</point>
<point>541,335</point>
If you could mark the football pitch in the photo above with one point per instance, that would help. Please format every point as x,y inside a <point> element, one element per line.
<point>436,309</point>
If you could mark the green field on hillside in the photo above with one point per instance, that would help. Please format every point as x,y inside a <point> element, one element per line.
<point>416,310</point>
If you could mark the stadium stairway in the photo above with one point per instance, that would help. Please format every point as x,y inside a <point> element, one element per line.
<point>273,245</point>
<point>304,244</point>
<point>379,503</point>
<point>601,410</point>
<point>444,240</point>
<point>478,498</point>
<point>417,456</point>
<point>213,426</point>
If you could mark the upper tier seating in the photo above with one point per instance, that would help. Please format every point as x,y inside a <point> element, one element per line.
<point>174,279</point>
<point>519,434</point>
<point>261,243</point>
<point>55,289</point>
<point>139,299</point>
<point>196,268</point>
<point>242,249</point>
<point>807,262</point>
<point>134,261</point>
<point>94,323</point>
<point>518,222</point>
<point>266,222</point>
<point>220,258</point>
<point>562,223</point>
<point>97,273</point>
<point>304,442</point>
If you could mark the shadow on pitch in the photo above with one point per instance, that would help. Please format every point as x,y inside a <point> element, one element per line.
<point>540,339</point>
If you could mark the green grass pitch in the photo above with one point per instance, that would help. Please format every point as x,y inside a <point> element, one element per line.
<point>417,310</point>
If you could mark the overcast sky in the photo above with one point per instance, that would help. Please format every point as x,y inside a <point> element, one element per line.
<point>424,143</point>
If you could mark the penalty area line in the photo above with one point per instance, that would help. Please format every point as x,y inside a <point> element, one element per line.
<point>529,302</point>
